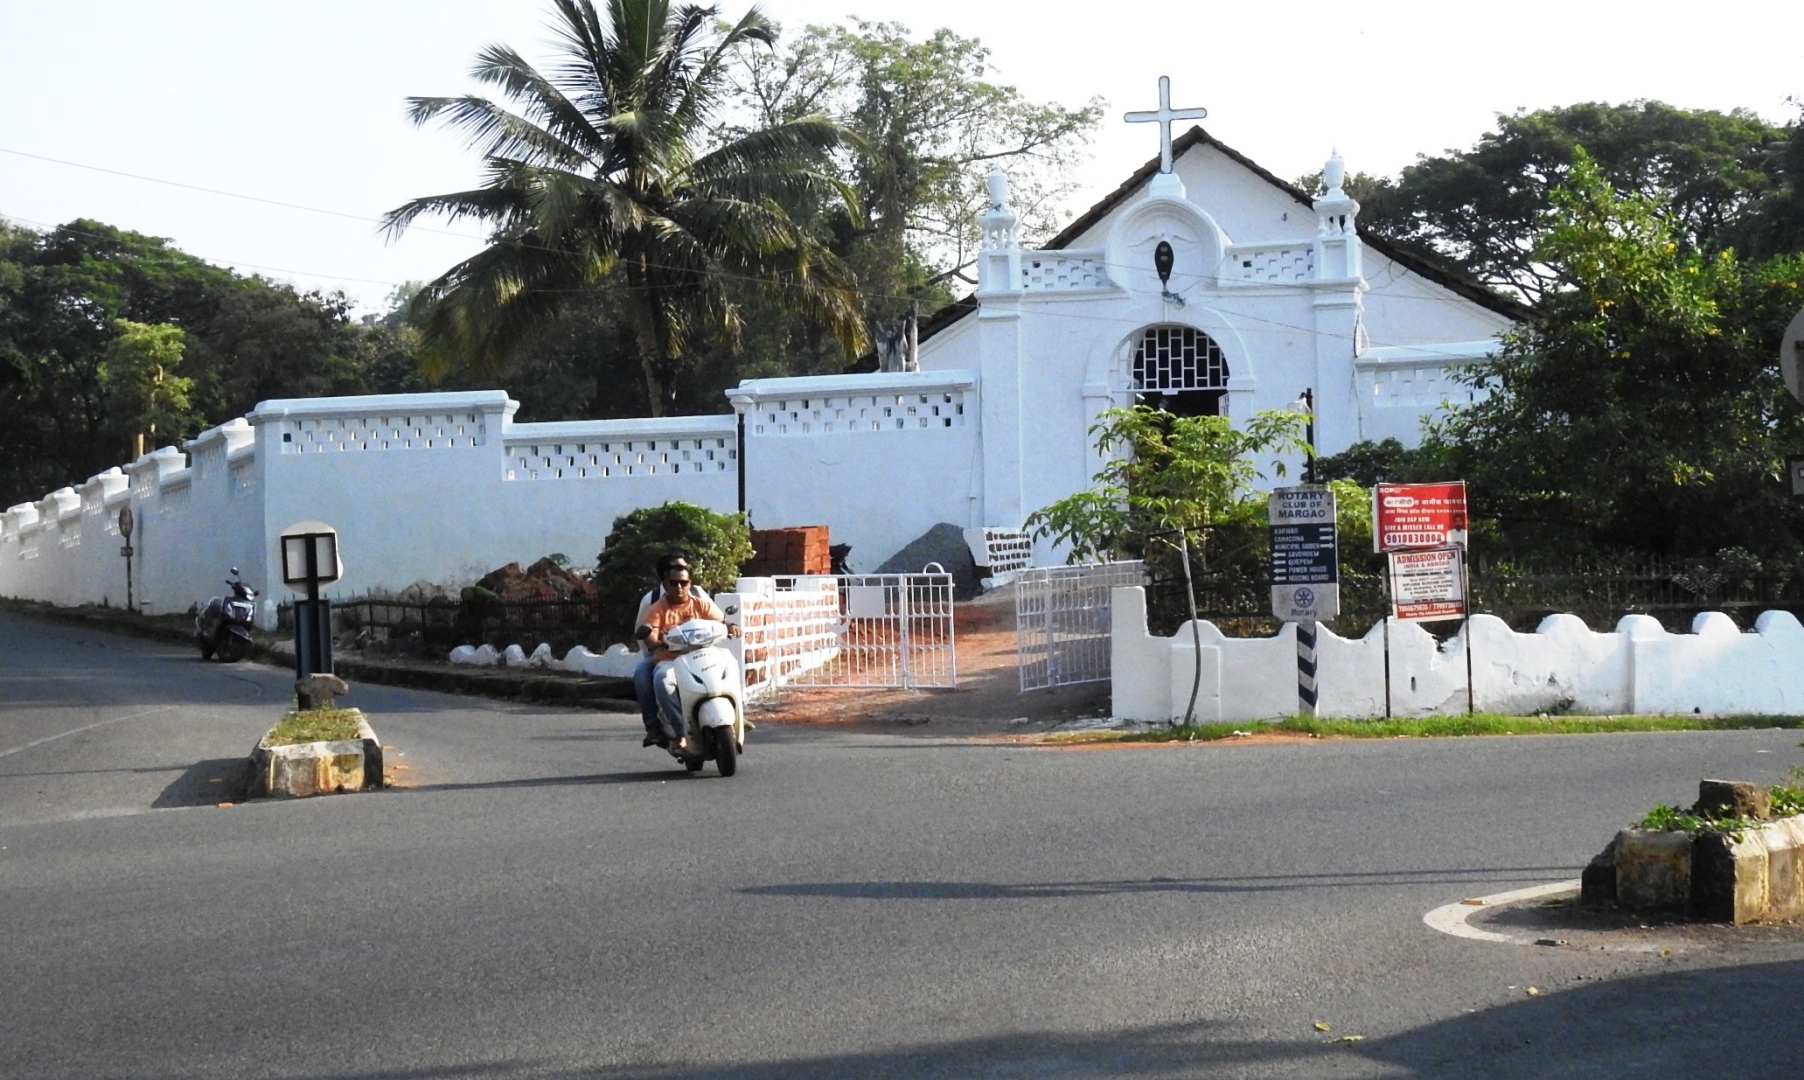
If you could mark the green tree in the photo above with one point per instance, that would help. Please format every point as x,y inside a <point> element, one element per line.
<point>69,406</point>
<point>1644,409</point>
<point>597,179</point>
<point>1481,210</point>
<point>1774,224</point>
<point>144,392</point>
<point>933,122</point>
<point>716,545</point>
<point>1166,475</point>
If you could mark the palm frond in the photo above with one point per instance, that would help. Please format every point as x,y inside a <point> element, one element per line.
<point>495,206</point>
<point>544,102</point>
<point>492,131</point>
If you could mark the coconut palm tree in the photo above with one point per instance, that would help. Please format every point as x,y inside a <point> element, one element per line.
<point>596,179</point>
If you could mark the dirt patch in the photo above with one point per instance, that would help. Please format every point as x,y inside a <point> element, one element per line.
<point>987,702</point>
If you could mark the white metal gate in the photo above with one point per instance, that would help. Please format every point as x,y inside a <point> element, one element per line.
<point>1063,620</point>
<point>867,631</point>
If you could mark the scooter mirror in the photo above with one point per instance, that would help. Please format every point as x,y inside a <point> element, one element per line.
<point>731,609</point>
<point>234,571</point>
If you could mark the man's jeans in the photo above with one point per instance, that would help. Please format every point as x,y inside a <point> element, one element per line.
<point>663,681</point>
<point>648,702</point>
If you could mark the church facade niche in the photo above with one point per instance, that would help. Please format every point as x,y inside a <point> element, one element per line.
<point>1179,370</point>
<point>1196,244</point>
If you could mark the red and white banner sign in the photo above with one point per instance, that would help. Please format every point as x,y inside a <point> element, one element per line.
<point>1406,516</point>
<point>1427,586</point>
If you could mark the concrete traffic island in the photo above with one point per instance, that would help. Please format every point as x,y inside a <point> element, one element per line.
<point>1750,870</point>
<point>322,767</point>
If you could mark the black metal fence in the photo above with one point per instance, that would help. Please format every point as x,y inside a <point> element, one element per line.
<point>1599,592</point>
<point>433,627</point>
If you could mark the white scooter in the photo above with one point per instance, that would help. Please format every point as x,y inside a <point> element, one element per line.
<point>711,692</point>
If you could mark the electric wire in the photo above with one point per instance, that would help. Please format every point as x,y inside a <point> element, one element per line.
<point>1283,327</point>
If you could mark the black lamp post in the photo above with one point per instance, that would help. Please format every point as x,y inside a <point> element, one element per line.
<point>1305,404</point>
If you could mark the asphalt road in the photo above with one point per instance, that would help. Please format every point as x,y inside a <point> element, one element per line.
<point>546,899</point>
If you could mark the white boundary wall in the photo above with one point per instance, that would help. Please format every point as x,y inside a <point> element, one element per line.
<point>445,487</point>
<point>877,458</point>
<point>1637,668</point>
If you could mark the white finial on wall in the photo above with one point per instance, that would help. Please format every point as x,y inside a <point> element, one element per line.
<point>998,182</point>
<point>1334,174</point>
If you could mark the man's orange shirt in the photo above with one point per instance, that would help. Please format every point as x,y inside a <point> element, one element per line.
<point>664,616</point>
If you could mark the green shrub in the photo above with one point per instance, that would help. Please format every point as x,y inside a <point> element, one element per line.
<point>716,545</point>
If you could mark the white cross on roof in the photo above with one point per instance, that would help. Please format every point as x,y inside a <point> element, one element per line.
<point>1163,117</point>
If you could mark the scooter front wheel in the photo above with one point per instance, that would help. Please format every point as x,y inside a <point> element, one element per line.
<point>722,736</point>
<point>233,648</point>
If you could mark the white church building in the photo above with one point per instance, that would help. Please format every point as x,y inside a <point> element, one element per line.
<point>1203,282</point>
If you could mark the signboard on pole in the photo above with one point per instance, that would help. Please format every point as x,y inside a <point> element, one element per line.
<point>1406,516</point>
<point>1305,554</point>
<point>1427,586</point>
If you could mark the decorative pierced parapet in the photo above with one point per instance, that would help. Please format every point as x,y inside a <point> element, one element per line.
<point>857,404</point>
<point>390,431</point>
<point>1423,387</point>
<point>389,422</point>
<point>1063,271</point>
<point>1003,551</point>
<point>101,489</point>
<point>1419,377</point>
<point>860,413</point>
<point>1293,261</point>
<point>609,450</point>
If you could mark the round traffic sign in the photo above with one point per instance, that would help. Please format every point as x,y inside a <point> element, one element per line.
<point>1791,356</point>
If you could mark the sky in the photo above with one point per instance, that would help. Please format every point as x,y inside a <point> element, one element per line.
<point>304,104</point>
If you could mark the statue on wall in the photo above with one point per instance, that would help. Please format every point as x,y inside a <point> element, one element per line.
<point>896,342</point>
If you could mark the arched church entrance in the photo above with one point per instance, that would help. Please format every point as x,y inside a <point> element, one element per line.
<point>1179,370</point>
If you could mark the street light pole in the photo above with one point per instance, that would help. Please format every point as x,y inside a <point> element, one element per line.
<point>1305,404</point>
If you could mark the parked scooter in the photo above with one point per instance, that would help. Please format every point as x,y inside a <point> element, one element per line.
<point>223,625</point>
<point>711,692</point>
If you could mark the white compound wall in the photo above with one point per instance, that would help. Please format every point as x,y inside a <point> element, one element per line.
<point>446,487</point>
<point>1563,666</point>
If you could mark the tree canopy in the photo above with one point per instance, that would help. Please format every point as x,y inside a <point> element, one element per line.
<point>1723,179</point>
<point>1643,409</point>
<point>597,179</point>
<point>106,334</point>
<point>931,122</point>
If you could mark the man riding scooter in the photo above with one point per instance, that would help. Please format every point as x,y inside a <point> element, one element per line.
<point>675,605</point>
<point>642,671</point>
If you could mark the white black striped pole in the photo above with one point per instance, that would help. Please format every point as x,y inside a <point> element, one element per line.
<point>1306,684</point>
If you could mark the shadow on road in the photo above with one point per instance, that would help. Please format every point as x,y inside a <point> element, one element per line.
<point>559,781</point>
<point>979,890</point>
<point>1718,1022</point>
<point>207,783</point>
<point>1728,1021</point>
<point>1152,1053</point>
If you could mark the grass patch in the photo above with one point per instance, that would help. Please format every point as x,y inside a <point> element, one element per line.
<point>314,725</point>
<point>1436,727</point>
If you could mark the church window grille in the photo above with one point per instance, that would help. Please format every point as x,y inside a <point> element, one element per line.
<point>1171,358</point>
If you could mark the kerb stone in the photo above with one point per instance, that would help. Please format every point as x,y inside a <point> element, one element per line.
<point>1653,870</point>
<point>1733,798</point>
